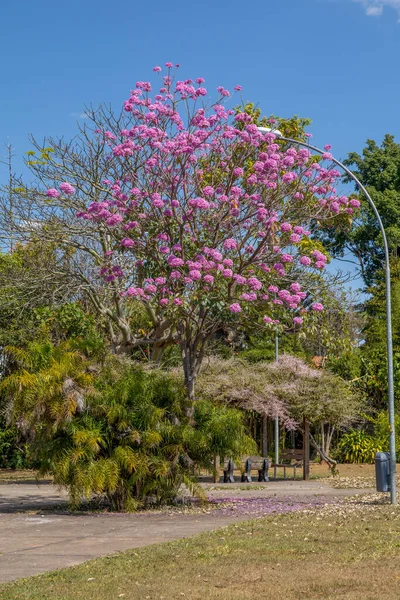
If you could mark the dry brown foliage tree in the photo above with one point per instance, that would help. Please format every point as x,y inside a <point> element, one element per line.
<point>289,389</point>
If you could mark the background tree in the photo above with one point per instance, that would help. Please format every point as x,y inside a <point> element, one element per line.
<point>45,310</point>
<point>374,351</point>
<point>378,168</point>
<point>289,389</point>
<point>329,333</point>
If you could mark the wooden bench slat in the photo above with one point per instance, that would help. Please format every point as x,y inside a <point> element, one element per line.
<point>294,458</point>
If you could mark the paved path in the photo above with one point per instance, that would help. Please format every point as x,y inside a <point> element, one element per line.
<point>33,542</point>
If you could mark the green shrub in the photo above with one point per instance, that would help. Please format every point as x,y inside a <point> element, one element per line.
<point>122,436</point>
<point>134,441</point>
<point>382,431</point>
<point>356,446</point>
<point>14,451</point>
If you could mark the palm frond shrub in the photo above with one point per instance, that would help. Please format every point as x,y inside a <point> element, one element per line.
<point>45,387</point>
<point>39,381</point>
<point>128,438</point>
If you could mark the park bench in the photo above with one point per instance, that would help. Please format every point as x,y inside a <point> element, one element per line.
<point>290,459</point>
<point>247,465</point>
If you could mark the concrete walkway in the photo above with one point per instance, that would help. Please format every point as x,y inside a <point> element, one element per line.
<point>35,542</point>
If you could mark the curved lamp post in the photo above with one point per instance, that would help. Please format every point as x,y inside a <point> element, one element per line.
<point>389,342</point>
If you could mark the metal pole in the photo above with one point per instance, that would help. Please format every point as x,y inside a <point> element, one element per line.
<point>276,418</point>
<point>389,341</point>
<point>306,449</point>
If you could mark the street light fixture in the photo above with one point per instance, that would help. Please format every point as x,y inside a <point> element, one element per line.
<point>389,341</point>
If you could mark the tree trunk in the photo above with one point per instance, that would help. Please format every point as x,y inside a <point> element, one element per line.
<point>332,464</point>
<point>329,435</point>
<point>157,353</point>
<point>264,436</point>
<point>189,383</point>
<point>216,468</point>
<point>192,352</point>
<point>306,449</point>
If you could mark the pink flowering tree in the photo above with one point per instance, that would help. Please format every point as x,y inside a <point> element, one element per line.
<point>200,220</point>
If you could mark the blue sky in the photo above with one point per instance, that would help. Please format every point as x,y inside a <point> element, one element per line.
<point>335,61</point>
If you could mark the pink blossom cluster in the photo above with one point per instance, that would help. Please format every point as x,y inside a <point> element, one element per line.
<point>65,188</point>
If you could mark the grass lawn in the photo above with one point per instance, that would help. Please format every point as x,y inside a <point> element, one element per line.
<point>10,475</point>
<point>344,470</point>
<point>348,551</point>
<point>19,475</point>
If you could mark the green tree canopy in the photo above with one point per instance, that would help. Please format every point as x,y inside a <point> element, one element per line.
<point>378,168</point>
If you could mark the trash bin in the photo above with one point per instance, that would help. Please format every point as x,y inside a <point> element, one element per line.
<point>382,471</point>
